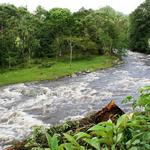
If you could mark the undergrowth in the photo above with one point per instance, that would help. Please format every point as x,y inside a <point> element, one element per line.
<point>130,132</point>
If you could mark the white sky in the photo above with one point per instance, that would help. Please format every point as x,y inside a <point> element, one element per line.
<point>125,6</point>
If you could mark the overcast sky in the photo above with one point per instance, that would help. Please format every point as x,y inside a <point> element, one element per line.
<point>125,6</point>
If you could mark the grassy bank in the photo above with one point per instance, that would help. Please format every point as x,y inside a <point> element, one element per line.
<point>58,69</point>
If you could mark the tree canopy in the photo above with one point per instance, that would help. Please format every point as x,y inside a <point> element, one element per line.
<point>58,32</point>
<point>140,28</point>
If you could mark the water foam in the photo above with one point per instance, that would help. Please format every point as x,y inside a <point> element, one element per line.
<point>23,106</point>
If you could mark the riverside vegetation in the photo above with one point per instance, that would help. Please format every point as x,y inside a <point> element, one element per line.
<point>131,131</point>
<point>50,69</point>
<point>50,44</point>
<point>47,37</point>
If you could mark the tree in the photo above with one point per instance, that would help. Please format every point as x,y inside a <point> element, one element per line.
<point>58,33</point>
<point>26,42</point>
<point>56,24</point>
<point>140,28</point>
<point>8,23</point>
<point>103,28</point>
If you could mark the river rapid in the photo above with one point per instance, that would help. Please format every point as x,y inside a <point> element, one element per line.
<point>23,106</point>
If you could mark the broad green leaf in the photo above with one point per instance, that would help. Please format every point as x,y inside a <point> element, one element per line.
<point>137,141</point>
<point>81,135</point>
<point>134,148</point>
<point>129,143</point>
<point>94,142</point>
<point>106,140</point>
<point>127,99</point>
<point>122,121</point>
<point>106,123</point>
<point>68,146</point>
<point>97,128</point>
<point>82,148</point>
<point>99,133</point>
<point>119,137</point>
<point>145,89</point>
<point>147,146</point>
<point>52,142</point>
<point>48,139</point>
<point>70,139</point>
<point>113,147</point>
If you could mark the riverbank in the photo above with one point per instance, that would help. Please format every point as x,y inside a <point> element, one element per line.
<point>110,111</point>
<point>24,106</point>
<point>50,70</point>
<point>108,128</point>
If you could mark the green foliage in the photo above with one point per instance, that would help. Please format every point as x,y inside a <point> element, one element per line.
<point>144,99</point>
<point>52,142</point>
<point>127,99</point>
<point>131,131</point>
<point>140,28</point>
<point>50,69</point>
<point>58,33</point>
<point>108,29</point>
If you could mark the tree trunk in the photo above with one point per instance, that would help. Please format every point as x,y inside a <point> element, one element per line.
<point>9,62</point>
<point>70,44</point>
<point>29,58</point>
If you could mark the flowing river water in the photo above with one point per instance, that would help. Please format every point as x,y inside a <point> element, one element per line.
<point>23,106</point>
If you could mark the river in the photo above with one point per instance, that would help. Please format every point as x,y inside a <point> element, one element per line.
<point>23,106</point>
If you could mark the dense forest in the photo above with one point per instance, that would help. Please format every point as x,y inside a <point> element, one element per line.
<point>59,33</point>
<point>57,43</point>
<point>140,28</point>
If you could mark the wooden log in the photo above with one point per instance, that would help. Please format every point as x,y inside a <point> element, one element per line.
<point>109,112</point>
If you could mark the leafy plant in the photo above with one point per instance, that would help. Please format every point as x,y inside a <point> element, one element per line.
<point>131,131</point>
<point>52,141</point>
